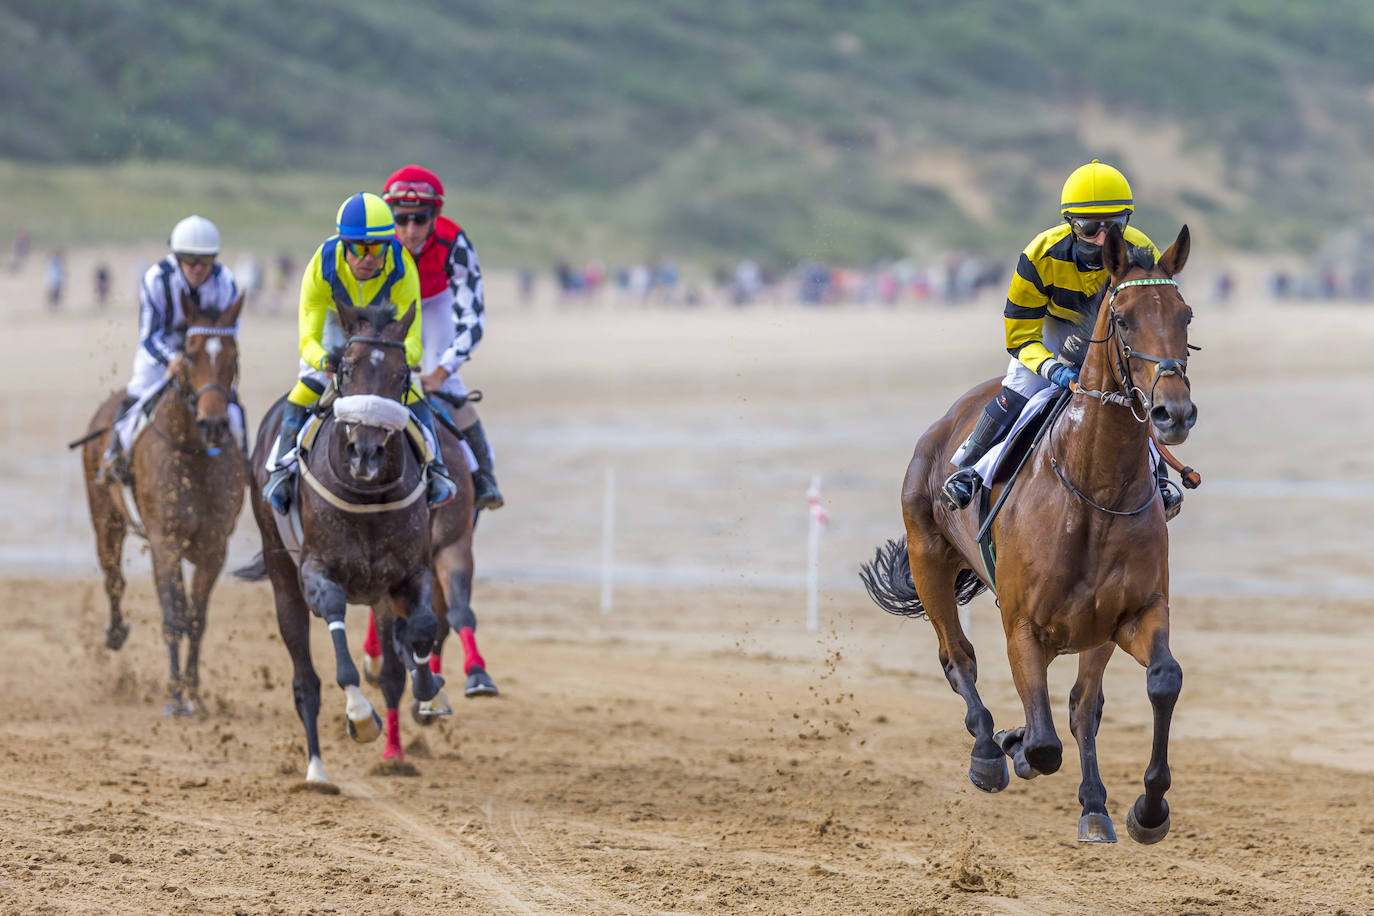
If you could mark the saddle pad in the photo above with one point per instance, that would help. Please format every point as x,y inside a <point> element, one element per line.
<point>990,463</point>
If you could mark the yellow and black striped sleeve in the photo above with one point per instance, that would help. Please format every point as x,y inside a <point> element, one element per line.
<point>1028,301</point>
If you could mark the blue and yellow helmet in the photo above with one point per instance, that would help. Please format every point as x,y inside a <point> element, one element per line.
<point>365,216</point>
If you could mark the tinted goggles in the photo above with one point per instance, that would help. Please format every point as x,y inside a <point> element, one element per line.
<point>1086,227</point>
<point>195,260</point>
<point>367,249</point>
<point>420,219</point>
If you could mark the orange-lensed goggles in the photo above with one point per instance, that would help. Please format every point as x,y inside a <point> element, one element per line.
<point>367,249</point>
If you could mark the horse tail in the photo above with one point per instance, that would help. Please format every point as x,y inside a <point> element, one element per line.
<point>888,580</point>
<point>254,571</point>
<point>889,584</point>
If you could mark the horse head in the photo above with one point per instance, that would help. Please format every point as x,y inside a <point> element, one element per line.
<point>373,379</point>
<point>1148,319</point>
<point>209,366</point>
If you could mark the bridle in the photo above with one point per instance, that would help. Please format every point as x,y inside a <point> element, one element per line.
<point>378,342</point>
<point>191,397</point>
<point>1128,393</point>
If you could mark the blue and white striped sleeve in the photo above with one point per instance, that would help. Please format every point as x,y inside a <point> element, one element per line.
<point>153,316</point>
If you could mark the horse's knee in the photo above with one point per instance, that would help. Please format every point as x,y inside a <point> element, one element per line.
<point>1164,681</point>
<point>325,597</point>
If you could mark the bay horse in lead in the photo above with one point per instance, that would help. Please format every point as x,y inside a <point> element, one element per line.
<point>364,532</point>
<point>188,478</point>
<point>1081,564</point>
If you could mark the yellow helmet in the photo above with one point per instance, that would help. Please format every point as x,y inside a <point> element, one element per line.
<point>1096,188</point>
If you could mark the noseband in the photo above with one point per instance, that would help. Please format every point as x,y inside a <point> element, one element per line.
<point>1129,393</point>
<point>192,398</point>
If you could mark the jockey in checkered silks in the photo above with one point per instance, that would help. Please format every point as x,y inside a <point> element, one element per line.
<point>451,294</point>
<point>361,264</point>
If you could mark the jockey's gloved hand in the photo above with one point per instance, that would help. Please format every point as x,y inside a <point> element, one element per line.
<point>1062,375</point>
<point>331,361</point>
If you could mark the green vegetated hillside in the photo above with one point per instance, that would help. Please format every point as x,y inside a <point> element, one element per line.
<point>808,128</point>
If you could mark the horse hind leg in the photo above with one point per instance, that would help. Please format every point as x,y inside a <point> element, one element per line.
<point>1085,716</point>
<point>1035,749</point>
<point>934,577</point>
<point>392,680</point>
<point>327,599</point>
<point>111,529</point>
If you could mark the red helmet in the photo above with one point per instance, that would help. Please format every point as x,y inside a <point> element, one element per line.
<point>414,186</point>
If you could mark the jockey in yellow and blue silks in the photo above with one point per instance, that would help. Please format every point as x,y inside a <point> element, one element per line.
<point>1051,306</point>
<point>362,264</point>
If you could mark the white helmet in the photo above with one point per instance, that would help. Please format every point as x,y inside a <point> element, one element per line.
<point>194,235</point>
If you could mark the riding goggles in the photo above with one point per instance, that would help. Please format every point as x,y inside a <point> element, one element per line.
<point>400,193</point>
<point>195,260</point>
<point>367,249</point>
<point>1087,227</point>
<point>421,218</point>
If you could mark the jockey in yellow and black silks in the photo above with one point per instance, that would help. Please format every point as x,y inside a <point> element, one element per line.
<point>362,264</point>
<point>1051,306</point>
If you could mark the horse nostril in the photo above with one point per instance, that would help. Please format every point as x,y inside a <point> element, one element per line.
<point>1160,416</point>
<point>1192,416</point>
<point>352,452</point>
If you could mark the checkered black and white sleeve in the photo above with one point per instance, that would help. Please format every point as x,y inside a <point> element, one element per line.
<point>469,311</point>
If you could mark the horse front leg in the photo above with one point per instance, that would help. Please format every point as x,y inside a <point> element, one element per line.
<point>171,594</point>
<point>453,581</point>
<point>293,620</point>
<point>202,581</point>
<point>327,599</point>
<point>1085,716</point>
<point>1034,748</point>
<point>413,635</point>
<point>391,677</point>
<point>1147,639</point>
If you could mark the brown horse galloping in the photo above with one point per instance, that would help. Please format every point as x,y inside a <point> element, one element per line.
<point>189,475</point>
<point>364,533</point>
<point>1082,562</point>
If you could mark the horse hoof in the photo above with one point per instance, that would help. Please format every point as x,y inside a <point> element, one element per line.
<point>115,636</point>
<point>426,712</point>
<point>480,684</point>
<point>1096,828</point>
<point>1008,738</point>
<point>1145,836</point>
<point>368,729</point>
<point>371,669</point>
<point>990,775</point>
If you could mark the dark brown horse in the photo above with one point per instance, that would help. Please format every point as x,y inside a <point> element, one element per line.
<point>364,532</point>
<point>188,479</point>
<point>1081,551</point>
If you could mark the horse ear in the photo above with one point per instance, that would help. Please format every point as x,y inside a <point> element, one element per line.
<point>189,309</point>
<point>230,317</point>
<point>408,320</point>
<point>1116,253</point>
<point>1173,260</point>
<point>348,316</point>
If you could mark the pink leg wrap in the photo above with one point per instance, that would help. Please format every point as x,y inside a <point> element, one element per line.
<point>393,736</point>
<point>471,657</point>
<point>435,664</point>
<point>371,644</point>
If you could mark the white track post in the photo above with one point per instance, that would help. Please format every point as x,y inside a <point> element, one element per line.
<point>608,542</point>
<point>813,554</point>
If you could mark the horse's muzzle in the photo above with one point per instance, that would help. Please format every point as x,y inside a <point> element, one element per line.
<point>1172,420</point>
<point>365,459</point>
<point>213,431</point>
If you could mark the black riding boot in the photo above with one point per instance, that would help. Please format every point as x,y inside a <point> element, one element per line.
<point>441,486</point>
<point>485,495</point>
<point>1170,492</point>
<point>959,488</point>
<point>114,464</point>
<point>280,483</point>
